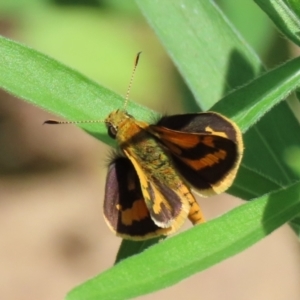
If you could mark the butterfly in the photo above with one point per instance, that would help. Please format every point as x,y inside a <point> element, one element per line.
<point>148,185</point>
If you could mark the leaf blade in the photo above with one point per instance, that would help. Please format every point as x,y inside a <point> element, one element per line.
<point>240,228</point>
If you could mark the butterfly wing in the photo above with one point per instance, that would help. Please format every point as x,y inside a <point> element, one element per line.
<point>166,196</point>
<point>125,210</point>
<point>206,148</point>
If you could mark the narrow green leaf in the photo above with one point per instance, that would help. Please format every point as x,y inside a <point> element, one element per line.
<point>265,166</point>
<point>242,13</point>
<point>248,104</point>
<point>129,248</point>
<point>203,45</point>
<point>52,86</point>
<point>284,16</point>
<point>182,256</point>
<point>247,179</point>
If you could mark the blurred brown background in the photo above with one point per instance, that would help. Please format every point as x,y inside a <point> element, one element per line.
<point>53,235</point>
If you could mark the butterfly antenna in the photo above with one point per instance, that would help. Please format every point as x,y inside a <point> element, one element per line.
<point>101,121</point>
<point>131,79</point>
<point>72,122</point>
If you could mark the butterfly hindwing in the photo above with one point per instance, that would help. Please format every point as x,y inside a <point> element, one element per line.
<point>167,200</point>
<point>130,214</point>
<point>125,210</point>
<point>206,149</point>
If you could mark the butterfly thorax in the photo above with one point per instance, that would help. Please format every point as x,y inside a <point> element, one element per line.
<point>138,143</point>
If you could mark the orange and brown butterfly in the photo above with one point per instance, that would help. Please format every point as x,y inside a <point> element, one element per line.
<point>148,187</point>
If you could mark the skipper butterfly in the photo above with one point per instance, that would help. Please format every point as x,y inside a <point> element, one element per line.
<point>148,186</point>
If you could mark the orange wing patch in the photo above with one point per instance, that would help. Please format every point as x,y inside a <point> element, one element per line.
<point>137,212</point>
<point>209,160</point>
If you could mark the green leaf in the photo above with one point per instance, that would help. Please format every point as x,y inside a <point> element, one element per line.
<point>129,248</point>
<point>285,16</point>
<point>242,13</point>
<point>187,34</point>
<point>260,95</point>
<point>266,146</point>
<point>181,256</point>
<point>265,166</point>
<point>49,84</point>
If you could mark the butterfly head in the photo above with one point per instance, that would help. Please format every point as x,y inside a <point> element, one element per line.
<point>115,121</point>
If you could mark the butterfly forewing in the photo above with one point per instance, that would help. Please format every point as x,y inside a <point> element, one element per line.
<point>206,149</point>
<point>208,122</point>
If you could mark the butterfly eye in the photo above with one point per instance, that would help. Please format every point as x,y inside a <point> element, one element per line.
<point>112,131</point>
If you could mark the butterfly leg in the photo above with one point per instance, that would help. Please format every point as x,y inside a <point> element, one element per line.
<point>195,215</point>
